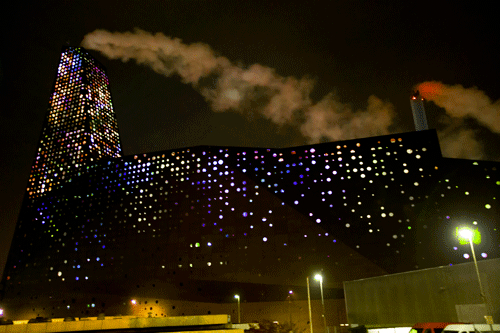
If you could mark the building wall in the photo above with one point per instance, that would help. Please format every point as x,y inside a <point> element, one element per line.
<point>429,295</point>
<point>187,223</point>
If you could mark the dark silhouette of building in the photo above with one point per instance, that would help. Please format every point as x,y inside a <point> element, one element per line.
<point>201,224</point>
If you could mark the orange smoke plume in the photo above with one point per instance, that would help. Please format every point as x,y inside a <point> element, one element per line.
<point>431,89</point>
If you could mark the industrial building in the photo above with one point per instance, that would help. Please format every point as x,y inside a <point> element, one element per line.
<point>180,232</point>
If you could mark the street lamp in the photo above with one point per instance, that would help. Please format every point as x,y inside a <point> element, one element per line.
<point>238,298</point>
<point>309,304</point>
<point>290,293</point>
<point>468,234</point>
<point>319,278</point>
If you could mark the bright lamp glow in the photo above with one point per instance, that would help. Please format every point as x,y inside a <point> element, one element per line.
<point>1,312</point>
<point>237,296</point>
<point>133,301</point>
<point>318,277</point>
<point>465,233</point>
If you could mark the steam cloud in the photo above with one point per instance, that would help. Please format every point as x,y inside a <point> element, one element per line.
<point>459,103</point>
<point>227,86</point>
<point>286,100</point>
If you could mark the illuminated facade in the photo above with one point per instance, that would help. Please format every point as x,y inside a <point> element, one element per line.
<point>80,126</point>
<point>201,224</point>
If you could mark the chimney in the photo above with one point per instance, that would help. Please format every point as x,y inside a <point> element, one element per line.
<point>417,108</point>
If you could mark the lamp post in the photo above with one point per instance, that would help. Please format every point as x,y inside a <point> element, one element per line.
<point>319,278</point>
<point>290,306</point>
<point>309,304</point>
<point>238,298</point>
<point>468,234</point>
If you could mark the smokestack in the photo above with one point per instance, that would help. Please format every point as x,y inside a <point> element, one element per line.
<point>417,108</point>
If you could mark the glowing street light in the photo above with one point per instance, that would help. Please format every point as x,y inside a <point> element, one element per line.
<point>469,235</point>
<point>289,297</point>
<point>319,278</point>
<point>238,298</point>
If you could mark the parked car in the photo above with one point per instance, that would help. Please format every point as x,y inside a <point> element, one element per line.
<point>4,321</point>
<point>429,327</point>
<point>39,320</point>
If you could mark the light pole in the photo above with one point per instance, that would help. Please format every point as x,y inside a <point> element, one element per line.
<point>319,278</point>
<point>468,234</point>
<point>238,298</point>
<point>290,306</point>
<point>309,303</point>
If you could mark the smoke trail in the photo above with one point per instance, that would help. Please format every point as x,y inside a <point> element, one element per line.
<point>226,86</point>
<point>460,103</point>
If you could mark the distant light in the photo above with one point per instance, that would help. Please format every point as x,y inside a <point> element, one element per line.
<point>1,312</point>
<point>133,301</point>
<point>484,255</point>
<point>290,292</point>
<point>466,256</point>
<point>237,296</point>
<point>318,277</point>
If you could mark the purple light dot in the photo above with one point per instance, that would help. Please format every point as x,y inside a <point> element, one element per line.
<point>466,256</point>
<point>484,255</point>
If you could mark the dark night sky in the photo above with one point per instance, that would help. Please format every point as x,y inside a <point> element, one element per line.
<point>354,49</point>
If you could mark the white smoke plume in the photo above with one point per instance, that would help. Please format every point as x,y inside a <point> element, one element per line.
<point>460,103</point>
<point>227,86</point>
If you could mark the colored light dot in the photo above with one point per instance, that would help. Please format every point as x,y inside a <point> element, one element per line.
<point>264,239</point>
<point>487,206</point>
<point>484,255</point>
<point>466,256</point>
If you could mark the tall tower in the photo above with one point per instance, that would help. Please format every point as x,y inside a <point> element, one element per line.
<point>80,126</point>
<point>417,108</point>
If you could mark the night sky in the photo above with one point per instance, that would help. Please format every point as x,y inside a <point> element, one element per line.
<point>348,68</point>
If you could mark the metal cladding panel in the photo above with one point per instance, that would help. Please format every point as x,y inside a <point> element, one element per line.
<point>429,295</point>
